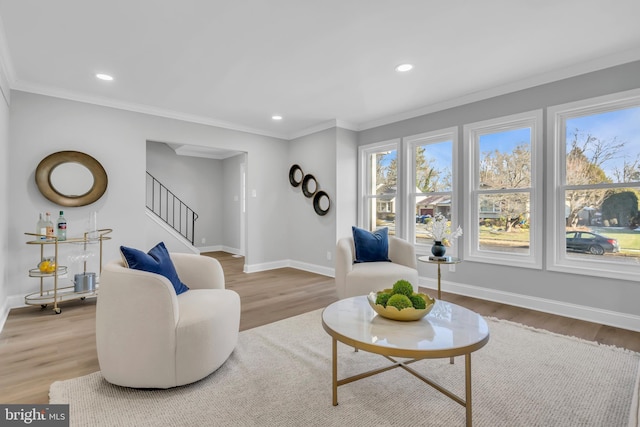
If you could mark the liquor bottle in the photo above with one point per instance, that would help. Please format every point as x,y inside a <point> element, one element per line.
<point>61,227</point>
<point>49,223</point>
<point>41,228</point>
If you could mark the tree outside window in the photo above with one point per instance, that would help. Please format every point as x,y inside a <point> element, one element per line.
<point>380,189</point>
<point>602,182</point>
<point>505,212</point>
<point>433,188</point>
<point>505,164</point>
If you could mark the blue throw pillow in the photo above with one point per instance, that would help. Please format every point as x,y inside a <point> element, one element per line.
<point>156,261</point>
<point>371,247</point>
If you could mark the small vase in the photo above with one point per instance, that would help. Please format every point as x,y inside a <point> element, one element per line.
<point>438,249</point>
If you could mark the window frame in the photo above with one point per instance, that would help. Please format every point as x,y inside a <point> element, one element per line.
<point>472,132</point>
<point>364,182</point>
<point>557,117</point>
<point>410,144</point>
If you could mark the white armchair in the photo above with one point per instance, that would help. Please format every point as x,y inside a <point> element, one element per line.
<point>362,278</point>
<point>149,337</point>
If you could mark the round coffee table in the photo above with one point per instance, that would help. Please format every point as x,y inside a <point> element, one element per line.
<point>447,331</point>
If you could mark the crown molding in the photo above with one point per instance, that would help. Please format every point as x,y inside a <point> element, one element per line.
<point>8,82</point>
<point>138,108</point>
<point>608,61</point>
<point>203,152</point>
<point>335,123</point>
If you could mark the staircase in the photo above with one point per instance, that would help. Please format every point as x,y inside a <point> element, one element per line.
<point>170,209</point>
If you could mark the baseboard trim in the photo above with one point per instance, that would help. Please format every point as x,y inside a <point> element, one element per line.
<point>220,248</point>
<point>4,313</point>
<point>586,313</point>
<point>179,239</point>
<point>255,268</point>
<point>216,248</point>
<point>312,268</point>
<point>234,251</point>
<point>14,301</point>
<point>575,311</point>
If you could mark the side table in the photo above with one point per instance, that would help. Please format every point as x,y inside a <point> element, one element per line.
<point>439,260</point>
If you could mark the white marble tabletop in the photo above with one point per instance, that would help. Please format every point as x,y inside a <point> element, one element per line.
<point>448,330</point>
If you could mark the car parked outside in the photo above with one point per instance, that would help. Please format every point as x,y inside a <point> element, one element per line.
<point>422,219</point>
<point>596,244</point>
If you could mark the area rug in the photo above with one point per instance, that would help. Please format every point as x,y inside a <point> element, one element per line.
<point>280,375</point>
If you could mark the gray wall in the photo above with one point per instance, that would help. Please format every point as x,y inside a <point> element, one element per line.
<point>281,226</point>
<point>5,206</point>
<point>198,182</point>
<point>231,204</point>
<point>40,125</point>
<point>331,157</point>
<point>311,236</point>
<point>534,288</point>
<point>345,201</point>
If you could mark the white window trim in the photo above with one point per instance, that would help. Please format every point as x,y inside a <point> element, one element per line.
<point>364,153</point>
<point>472,131</point>
<point>410,143</point>
<point>557,115</point>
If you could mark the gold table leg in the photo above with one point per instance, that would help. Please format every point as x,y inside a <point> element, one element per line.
<point>335,371</point>
<point>439,275</point>
<point>397,364</point>
<point>467,380</point>
<point>440,297</point>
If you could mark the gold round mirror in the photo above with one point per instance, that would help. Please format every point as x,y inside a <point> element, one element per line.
<point>71,178</point>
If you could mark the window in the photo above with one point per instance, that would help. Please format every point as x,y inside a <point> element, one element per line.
<point>596,186</point>
<point>503,224</point>
<point>431,183</point>
<point>379,185</point>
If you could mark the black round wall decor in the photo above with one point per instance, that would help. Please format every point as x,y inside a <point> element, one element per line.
<point>292,175</point>
<point>311,189</point>
<point>308,180</point>
<point>317,200</point>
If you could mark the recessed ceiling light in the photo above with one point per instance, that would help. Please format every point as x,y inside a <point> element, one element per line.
<point>276,117</point>
<point>105,77</point>
<point>404,67</point>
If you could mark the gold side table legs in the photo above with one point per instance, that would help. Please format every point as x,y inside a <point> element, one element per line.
<point>334,350</point>
<point>467,386</point>
<point>439,278</point>
<point>445,260</point>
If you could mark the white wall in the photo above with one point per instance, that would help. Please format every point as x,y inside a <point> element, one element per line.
<point>40,125</point>
<point>574,295</point>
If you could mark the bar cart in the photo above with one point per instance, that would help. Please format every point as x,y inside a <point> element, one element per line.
<point>56,294</point>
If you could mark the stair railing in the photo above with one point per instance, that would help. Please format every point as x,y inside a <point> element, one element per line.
<point>170,209</point>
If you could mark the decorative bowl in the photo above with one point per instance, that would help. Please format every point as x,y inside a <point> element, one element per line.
<point>404,315</point>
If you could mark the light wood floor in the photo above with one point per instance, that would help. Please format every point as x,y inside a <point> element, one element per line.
<point>38,347</point>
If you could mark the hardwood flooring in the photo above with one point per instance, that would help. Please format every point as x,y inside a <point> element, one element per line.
<point>38,347</point>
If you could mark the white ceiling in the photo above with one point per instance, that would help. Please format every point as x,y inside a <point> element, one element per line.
<point>236,63</point>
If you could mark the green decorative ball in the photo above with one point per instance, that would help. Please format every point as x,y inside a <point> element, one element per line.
<point>399,301</point>
<point>418,302</point>
<point>382,298</point>
<point>403,287</point>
